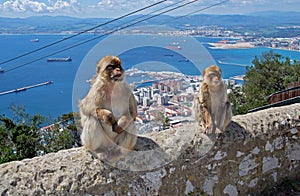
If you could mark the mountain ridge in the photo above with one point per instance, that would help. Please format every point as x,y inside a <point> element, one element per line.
<point>55,24</point>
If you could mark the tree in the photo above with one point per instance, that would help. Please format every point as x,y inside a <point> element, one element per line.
<point>237,100</point>
<point>270,73</point>
<point>6,147</point>
<point>56,139</point>
<point>23,136</point>
<point>162,119</point>
<point>19,140</point>
<point>63,134</point>
<point>71,122</point>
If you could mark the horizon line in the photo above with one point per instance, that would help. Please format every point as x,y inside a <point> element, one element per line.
<point>89,17</point>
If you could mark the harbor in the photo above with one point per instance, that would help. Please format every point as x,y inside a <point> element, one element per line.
<point>26,88</point>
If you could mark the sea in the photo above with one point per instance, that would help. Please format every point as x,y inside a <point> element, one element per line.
<point>24,60</point>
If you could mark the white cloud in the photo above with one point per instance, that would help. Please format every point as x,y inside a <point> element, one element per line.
<point>23,6</point>
<point>124,5</point>
<point>59,4</point>
<point>114,8</point>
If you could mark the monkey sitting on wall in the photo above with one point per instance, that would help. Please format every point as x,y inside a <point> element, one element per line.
<point>211,106</point>
<point>108,112</point>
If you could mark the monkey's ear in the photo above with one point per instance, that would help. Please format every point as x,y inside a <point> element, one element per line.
<point>219,69</point>
<point>216,67</point>
<point>203,73</point>
<point>99,65</point>
<point>97,69</point>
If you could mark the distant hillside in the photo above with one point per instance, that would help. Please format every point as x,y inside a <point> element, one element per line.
<point>264,23</point>
<point>50,24</point>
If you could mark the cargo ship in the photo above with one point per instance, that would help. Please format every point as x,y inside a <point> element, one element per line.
<point>66,59</point>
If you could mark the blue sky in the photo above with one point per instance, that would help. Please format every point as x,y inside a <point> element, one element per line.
<point>115,8</point>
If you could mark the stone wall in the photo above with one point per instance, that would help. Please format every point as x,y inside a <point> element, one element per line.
<point>257,151</point>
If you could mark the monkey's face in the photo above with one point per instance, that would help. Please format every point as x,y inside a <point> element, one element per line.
<point>213,75</point>
<point>110,69</point>
<point>214,78</point>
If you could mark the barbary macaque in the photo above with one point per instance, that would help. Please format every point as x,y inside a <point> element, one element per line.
<point>108,112</point>
<point>212,109</point>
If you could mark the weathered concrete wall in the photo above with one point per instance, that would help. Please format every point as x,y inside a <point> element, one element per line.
<point>257,151</point>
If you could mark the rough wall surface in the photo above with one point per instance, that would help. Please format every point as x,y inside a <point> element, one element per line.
<point>257,151</point>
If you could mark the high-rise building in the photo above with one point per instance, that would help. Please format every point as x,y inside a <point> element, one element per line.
<point>146,102</point>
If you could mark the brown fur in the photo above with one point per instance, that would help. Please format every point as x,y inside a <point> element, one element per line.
<point>108,111</point>
<point>212,109</point>
<point>205,105</point>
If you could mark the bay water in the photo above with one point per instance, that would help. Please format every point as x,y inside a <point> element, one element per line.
<point>55,99</point>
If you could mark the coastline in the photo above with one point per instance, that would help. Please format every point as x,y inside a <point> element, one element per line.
<point>243,45</point>
<point>56,98</point>
<point>239,45</point>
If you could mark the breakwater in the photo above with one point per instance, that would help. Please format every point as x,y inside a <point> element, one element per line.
<point>26,88</point>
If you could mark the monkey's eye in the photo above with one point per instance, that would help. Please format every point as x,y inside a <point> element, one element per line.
<point>110,67</point>
<point>113,66</point>
<point>214,75</point>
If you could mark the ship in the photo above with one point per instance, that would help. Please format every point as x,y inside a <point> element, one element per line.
<point>174,46</point>
<point>66,59</point>
<point>20,89</point>
<point>183,60</point>
<point>1,70</point>
<point>34,40</point>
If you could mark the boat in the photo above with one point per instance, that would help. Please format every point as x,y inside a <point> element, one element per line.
<point>174,46</point>
<point>20,89</point>
<point>184,60</point>
<point>66,59</point>
<point>1,70</point>
<point>34,40</point>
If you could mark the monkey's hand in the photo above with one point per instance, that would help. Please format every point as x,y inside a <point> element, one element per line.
<point>106,116</point>
<point>116,128</point>
<point>122,124</point>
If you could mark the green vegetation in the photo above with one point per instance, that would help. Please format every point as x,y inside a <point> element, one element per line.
<point>26,136</point>
<point>162,119</point>
<point>270,73</point>
<point>197,192</point>
<point>23,136</point>
<point>286,187</point>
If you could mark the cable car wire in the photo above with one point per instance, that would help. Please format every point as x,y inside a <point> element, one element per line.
<point>118,29</point>
<point>77,34</point>
<point>193,12</point>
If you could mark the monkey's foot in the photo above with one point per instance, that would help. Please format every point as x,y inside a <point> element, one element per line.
<point>95,155</point>
<point>208,130</point>
<point>218,131</point>
<point>206,126</point>
<point>114,156</point>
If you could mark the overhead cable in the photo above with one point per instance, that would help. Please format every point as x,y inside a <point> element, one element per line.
<point>77,34</point>
<point>193,12</point>
<point>115,30</point>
